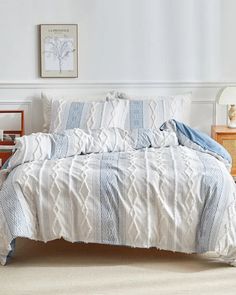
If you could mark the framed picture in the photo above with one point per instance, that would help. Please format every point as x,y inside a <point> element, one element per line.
<point>59,51</point>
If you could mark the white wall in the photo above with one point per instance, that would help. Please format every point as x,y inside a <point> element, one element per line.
<point>179,40</point>
<point>124,42</point>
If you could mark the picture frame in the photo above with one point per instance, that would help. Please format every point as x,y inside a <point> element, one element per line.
<point>59,50</point>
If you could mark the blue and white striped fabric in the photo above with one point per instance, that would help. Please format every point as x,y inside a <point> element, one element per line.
<point>195,139</point>
<point>43,146</point>
<point>152,112</point>
<point>120,188</point>
<point>87,115</point>
<point>121,113</point>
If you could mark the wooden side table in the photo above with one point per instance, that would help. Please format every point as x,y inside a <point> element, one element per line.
<point>226,137</point>
<point>8,142</point>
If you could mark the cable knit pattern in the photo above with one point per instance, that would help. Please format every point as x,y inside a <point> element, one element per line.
<point>87,115</point>
<point>121,113</point>
<point>42,146</point>
<point>137,188</point>
<point>151,111</point>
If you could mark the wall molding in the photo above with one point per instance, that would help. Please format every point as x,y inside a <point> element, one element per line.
<point>11,101</point>
<point>20,104</point>
<point>26,95</point>
<point>35,84</point>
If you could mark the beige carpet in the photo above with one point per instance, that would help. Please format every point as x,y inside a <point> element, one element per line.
<point>63,268</point>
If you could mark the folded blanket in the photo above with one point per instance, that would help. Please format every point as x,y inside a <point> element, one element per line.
<point>41,146</point>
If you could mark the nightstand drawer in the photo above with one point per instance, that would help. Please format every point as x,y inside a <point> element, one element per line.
<point>227,138</point>
<point>230,146</point>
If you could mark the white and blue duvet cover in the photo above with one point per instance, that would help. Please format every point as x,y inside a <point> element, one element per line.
<point>135,188</point>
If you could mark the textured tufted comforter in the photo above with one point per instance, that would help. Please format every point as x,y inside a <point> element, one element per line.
<point>136,188</point>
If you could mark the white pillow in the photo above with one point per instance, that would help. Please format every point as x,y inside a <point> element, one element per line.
<point>47,101</point>
<point>87,115</point>
<point>47,105</point>
<point>153,111</point>
<point>135,112</point>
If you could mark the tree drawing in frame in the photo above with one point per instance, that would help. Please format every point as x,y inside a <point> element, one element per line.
<point>59,51</point>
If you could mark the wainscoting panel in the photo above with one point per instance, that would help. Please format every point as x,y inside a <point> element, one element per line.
<point>26,96</point>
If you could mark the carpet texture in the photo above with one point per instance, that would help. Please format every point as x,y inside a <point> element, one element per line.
<point>60,267</point>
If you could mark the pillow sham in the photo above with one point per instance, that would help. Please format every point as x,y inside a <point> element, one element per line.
<point>115,112</point>
<point>47,100</point>
<point>87,115</point>
<point>153,111</point>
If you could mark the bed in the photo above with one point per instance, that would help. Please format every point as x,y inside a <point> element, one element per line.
<point>133,181</point>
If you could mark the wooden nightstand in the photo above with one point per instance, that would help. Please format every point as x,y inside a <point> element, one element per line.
<point>7,144</point>
<point>227,137</point>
